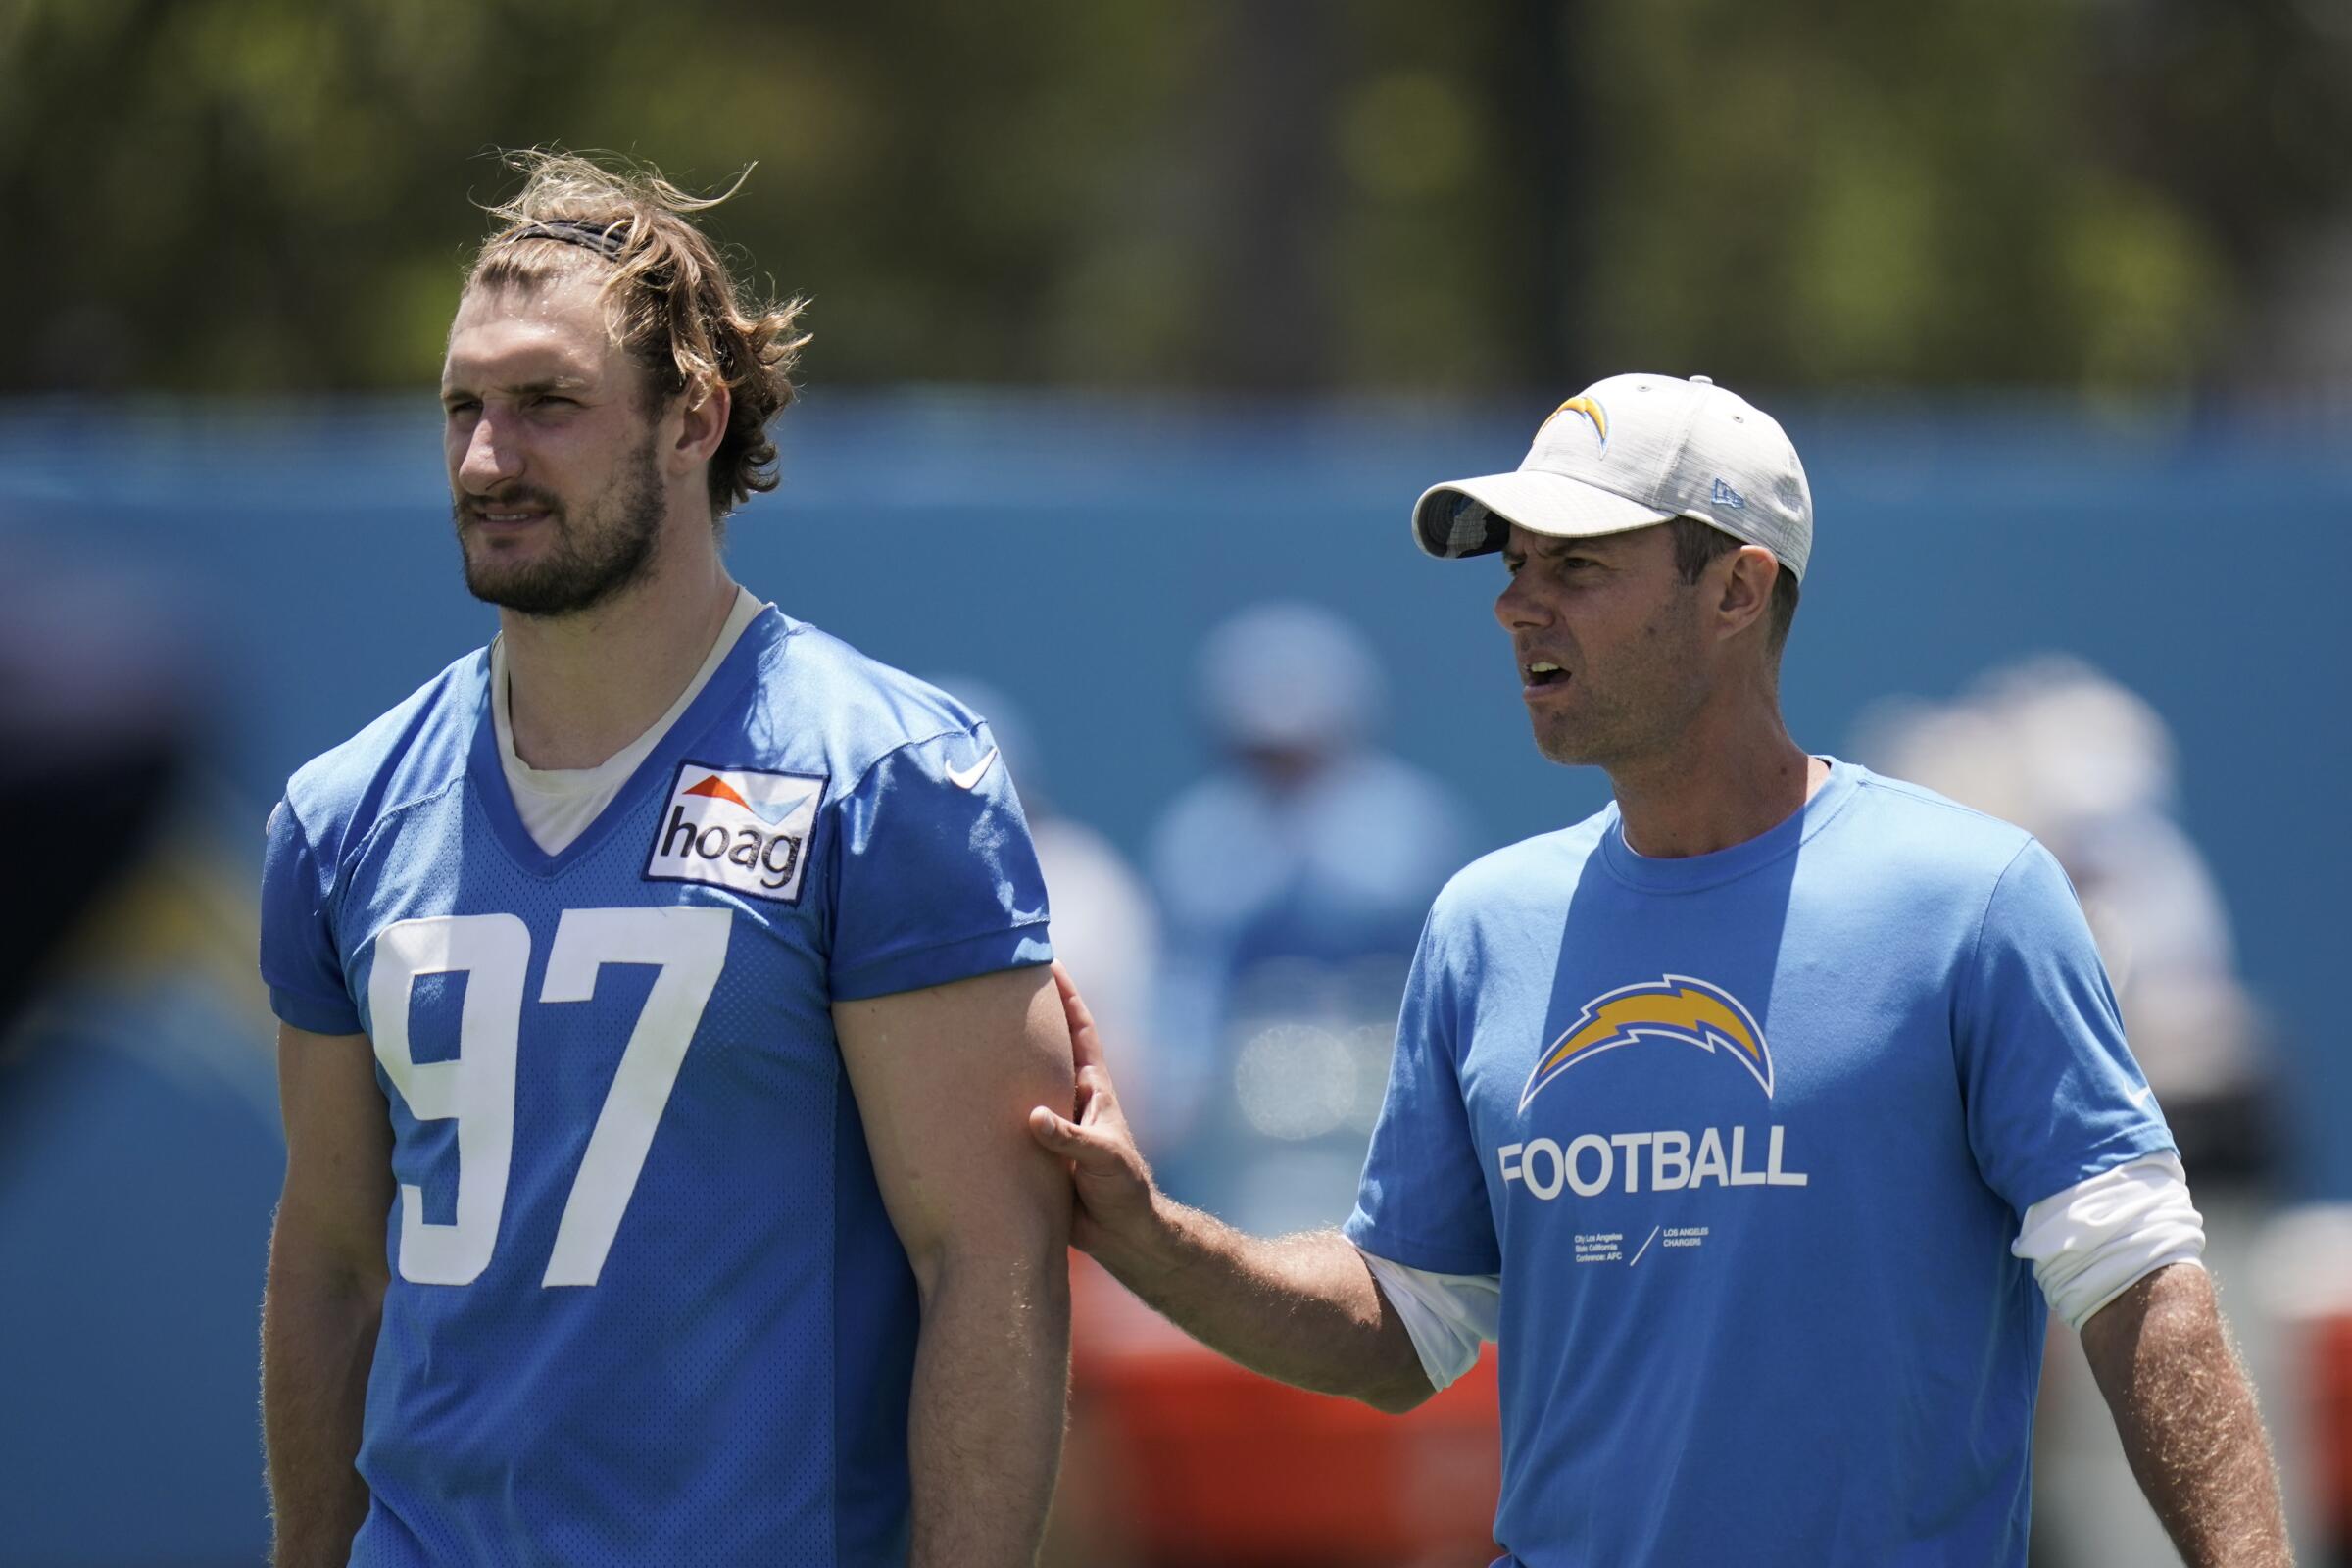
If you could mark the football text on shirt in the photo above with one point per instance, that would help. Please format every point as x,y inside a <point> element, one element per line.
<point>1675,1008</point>
<point>1587,1165</point>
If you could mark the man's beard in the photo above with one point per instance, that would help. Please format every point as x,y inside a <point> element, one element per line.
<point>583,566</point>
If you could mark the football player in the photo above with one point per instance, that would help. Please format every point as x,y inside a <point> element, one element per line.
<point>661,988</point>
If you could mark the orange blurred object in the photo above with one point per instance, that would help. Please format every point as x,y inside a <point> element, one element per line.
<point>1212,1465</point>
<point>2331,1425</point>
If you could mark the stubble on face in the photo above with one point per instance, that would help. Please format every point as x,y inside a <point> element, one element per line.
<point>610,548</point>
<point>1631,695</point>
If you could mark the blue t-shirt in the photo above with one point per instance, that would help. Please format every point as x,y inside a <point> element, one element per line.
<point>1747,1136</point>
<point>646,1306</point>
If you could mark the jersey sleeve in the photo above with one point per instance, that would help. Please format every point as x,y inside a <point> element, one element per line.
<point>299,961</point>
<point>935,877</point>
<point>2052,1093</point>
<point>1423,1198</point>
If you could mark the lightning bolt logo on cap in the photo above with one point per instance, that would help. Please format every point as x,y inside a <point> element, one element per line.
<point>1592,409</point>
<point>1674,1008</point>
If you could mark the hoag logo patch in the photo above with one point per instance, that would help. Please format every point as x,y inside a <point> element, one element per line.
<point>737,828</point>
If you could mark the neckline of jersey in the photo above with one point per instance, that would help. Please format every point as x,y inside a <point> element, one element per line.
<point>1691,873</point>
<point>768,629</point>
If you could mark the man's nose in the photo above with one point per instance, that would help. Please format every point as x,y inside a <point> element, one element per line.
<point>491,458</point>
<point>1518,606</point>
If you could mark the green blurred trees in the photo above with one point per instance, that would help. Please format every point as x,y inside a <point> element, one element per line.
<point>270,195</point>
<point>1997,191</point>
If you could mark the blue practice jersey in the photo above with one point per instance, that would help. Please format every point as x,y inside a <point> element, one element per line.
<point>645,1304</point>
<point>1748,1137</point>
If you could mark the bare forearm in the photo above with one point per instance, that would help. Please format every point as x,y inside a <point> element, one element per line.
<point>2186,1416</point>
<point>319,1331</point>
<point>1302,1309</point>
<point>984,1425</point>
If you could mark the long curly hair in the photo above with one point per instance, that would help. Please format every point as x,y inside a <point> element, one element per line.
<point>672,302</point>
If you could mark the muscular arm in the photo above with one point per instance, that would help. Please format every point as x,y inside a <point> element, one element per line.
<point>1303,1310</point>
<point>943,1076</point>
<point>326,1292</point>
<point>2186,1418</point>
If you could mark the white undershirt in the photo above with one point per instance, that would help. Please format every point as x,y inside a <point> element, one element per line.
<point>556,803</point>
<point>2087,1244</point>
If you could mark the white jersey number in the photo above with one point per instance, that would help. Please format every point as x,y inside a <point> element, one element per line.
<point>477,1088</point>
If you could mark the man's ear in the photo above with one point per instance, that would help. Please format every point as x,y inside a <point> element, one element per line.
<point>703,420</point>
<point>1747,589</point>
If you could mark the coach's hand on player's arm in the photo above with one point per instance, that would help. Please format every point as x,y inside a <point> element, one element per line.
<point>1303,1310</point>
<point>326,1292</point>
<point>1107,1170</point>
<point>2186,1416</point>
<point>943,1076</point>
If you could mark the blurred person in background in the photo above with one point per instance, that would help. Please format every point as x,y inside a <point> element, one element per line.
<point>660,991</point>
<point>1756,1117</point>
<point>1294,880</point>
<point>139,1145</point>
<point>2090,767</point>
<point>100,714</point>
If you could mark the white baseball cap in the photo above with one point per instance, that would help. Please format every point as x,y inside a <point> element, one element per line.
<point>1630,452</point>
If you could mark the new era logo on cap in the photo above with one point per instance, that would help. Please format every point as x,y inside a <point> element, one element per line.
<point>1667,448</point>
<point>738,828</point>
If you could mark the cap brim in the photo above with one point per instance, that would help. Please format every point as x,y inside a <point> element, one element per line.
<point>1473,516</point>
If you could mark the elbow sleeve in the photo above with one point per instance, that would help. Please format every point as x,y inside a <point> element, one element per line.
<point>1446,1315</point>
<point>2092,1241</point>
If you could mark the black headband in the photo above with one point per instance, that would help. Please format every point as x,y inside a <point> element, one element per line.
<point>605,240</point>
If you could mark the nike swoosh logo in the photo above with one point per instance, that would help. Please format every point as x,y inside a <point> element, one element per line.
<point>963,778</point>
<point>2140,1094</point>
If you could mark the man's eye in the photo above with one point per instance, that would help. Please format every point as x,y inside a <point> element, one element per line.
<point>458,405</point>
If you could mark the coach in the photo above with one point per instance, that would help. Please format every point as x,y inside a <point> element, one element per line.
<point>1756,1117</point>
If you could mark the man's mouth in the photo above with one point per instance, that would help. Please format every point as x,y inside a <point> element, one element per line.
<point>506,517</point>
<point>1538,674</point>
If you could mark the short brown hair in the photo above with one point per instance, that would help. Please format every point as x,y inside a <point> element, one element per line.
<point>675,305</point>
<point>1697,543</point>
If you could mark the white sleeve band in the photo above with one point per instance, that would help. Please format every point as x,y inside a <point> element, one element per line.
<point>2092,1241</point>
<point>1446,1314</point>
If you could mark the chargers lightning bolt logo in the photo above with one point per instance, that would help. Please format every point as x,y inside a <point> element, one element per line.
<point>1592,409</point>
<point>1674,1008</point>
